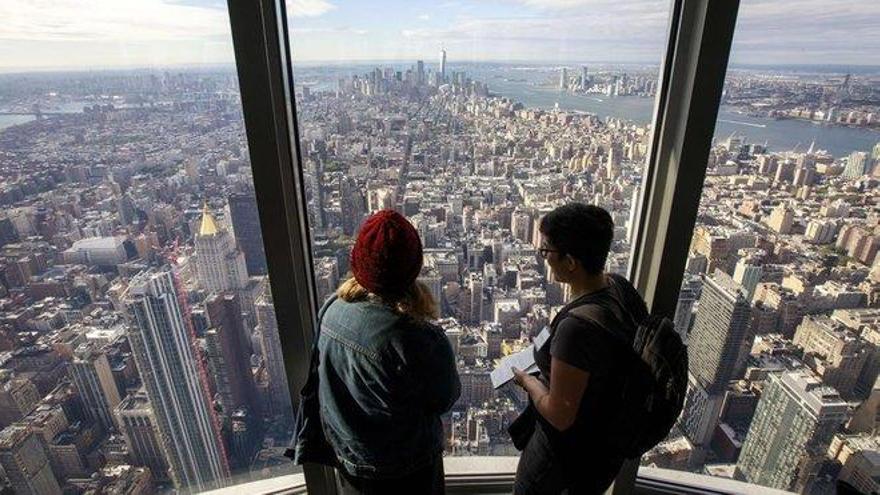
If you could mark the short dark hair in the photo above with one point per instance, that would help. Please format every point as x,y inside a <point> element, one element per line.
<point>583,231</point>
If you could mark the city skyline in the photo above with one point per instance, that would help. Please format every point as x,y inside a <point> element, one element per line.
<point>196,32</point>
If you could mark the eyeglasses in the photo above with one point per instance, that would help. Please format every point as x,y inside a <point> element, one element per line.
<point>544,252</point>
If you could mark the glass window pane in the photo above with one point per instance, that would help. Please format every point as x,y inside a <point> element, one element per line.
<point>138,337</point>
<point>473,119</point>
<point>780,292</point>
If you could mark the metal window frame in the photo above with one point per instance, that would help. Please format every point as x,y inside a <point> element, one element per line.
<point>685,127</point>
<point>696,67</point>
<point>691,80</point>
<point>259,33</point>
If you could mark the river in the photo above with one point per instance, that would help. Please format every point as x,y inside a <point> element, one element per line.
<point>780,135</point>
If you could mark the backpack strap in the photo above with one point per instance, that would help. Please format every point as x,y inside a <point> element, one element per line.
<point>599,315</point>
<point>609,319</point>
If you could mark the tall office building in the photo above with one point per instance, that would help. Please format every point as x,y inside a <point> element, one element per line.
<point>246,224</point>
<point>748,273</point>
<point>430,276</point>
<point>442,65</point>
<point>475,284</point>
<point>858,165</point>
<point>270,342</point>
<point>25,463</point>
<point>833,351</point>
<point>563,78</point>
<point>718,346</point>
<point>137,423</point>
<point>353,205</point>
<point>859,459</point>
<point>18,397</point>
<point>521,225</point>
<point>420,72</point>
<point>163,347</point>
<point>93,378</point>
<point>684,309</point>
<point>699,418</point>
<point>585,78</point>
<point>719,339</point>
<point>229,352</point>
<point>220,265</point>
<point>781,219</point>
<point>792,429</point>
<point>244,437</point>
<point>8,234</point>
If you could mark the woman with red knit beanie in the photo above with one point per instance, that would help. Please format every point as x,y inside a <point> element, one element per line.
<point>385,373</point>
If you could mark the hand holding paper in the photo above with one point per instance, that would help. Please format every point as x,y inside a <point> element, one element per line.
<point>523,360</point>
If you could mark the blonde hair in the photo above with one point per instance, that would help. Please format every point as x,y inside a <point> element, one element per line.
<point>416,301</point>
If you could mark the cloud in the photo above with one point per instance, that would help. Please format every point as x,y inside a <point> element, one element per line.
<point>126,20</point>
<point>309,8</point>
<point>424,17</point>
<point>109,20</point>
<point>768,31</point>
<point>301,30</point>
<point>643,5</point>
<point>595,28</point>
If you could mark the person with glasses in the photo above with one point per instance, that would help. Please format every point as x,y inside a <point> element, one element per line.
<point>576,390</point>
<point>385,372</point>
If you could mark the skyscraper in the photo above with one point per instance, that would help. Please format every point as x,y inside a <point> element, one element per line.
<point>442,65</point>
<point>748,273</point>
<point>244,437</point>
<point>18,397</point>
<point>792,428</point>
<point>137,422</point>
<point>93,377</point>
<point>563,78</point>
<point>833,351</point>
<point>163,347</point>
<point>719,338</point>
<point>353,208</point>
<point>420,72</point>
<point>718,346</point>
<point>229,351</point>
<point>684,310</point>
<point>858,165</point>
<point>246,224</point>
<point>219,263</point>
<point>279,393</point>
<point>25,462</point>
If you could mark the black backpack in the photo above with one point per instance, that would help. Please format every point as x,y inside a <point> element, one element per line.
<point>655,384</point>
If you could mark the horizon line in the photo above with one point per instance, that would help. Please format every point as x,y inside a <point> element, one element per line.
<point>308,63</point>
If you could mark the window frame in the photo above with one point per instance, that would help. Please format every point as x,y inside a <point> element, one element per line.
<point>692,74</point>
<point>259,34</point>
<point>695,67</point>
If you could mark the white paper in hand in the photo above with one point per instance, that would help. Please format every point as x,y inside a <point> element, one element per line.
<point>522,360</point>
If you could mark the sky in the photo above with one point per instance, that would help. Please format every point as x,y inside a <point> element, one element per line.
<point>98,34</point>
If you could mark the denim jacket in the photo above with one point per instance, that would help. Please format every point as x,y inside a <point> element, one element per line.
<point>384,381</point>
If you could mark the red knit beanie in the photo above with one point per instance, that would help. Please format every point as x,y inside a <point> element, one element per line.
<point>387,255</point>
